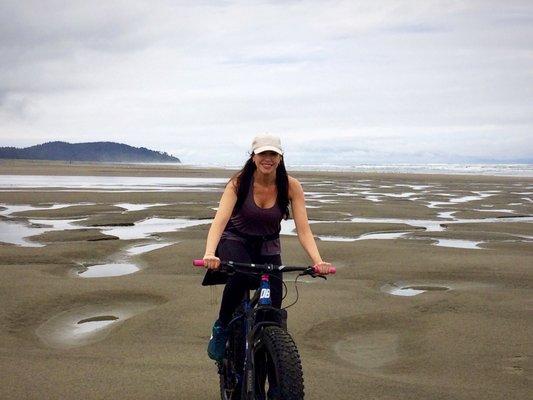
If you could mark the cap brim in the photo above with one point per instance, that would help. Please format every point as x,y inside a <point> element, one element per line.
<point>268,148</point>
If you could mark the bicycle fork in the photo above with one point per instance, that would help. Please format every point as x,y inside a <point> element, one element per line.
<point>249,368</point>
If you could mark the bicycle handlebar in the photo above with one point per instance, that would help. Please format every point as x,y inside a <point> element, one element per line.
<point>266,267</point>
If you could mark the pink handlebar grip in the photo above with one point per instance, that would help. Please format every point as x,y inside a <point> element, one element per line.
<point>198,263</point>
<point>331,270</point>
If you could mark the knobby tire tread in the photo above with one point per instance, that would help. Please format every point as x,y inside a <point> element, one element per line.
<point>286,360</point>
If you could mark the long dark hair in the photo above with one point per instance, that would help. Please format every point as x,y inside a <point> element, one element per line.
<point>244,181</point>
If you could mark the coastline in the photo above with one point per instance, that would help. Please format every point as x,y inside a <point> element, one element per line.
<point>469,170</point>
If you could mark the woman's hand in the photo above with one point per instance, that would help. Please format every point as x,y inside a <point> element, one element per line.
<point>211,262</point>
<point>323,267</point>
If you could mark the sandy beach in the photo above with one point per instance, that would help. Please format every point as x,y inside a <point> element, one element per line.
<point>432,299</point>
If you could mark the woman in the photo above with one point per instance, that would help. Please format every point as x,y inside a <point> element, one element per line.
<point>246,229</point>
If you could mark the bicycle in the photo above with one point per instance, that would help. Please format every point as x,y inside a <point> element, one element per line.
<point>261,360</point>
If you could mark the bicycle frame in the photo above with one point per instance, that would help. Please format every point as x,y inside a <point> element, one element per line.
<point>250,329</point>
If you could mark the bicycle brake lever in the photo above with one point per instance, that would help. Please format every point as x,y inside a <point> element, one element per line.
<point>315,275</point>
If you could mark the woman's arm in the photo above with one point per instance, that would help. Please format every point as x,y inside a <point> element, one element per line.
<point>225,208</point>
<point>296,196</point>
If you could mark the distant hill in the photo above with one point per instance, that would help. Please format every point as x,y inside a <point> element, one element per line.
<point>96,151</point>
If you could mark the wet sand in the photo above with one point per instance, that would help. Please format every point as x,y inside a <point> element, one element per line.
<point>143,335</point>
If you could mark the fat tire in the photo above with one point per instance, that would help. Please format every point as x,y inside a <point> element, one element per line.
<point>282,353</point>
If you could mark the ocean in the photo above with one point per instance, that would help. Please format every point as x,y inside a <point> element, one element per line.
<point>520,170</point>
<point>523,170</point>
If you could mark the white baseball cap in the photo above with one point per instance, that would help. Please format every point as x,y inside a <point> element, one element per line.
<point>266,143</point>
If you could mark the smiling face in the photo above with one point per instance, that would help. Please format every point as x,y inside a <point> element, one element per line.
<point>267,162</point>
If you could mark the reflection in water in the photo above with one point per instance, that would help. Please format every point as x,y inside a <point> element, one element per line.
<point>138,207</point>
<point>93,324</point>
<point>435,225</point>
<point>108,270</point>
<point>15,233</point>
<point>366,236</point>
<point>145,248</point>
<point>111,183</point>
<point>150,226</point>
<point>407,290</point>
<point>15,208</point>
<point>460,244</point>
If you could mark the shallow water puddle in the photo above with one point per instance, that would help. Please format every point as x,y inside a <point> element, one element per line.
<point>138,207</point>
<point>403,195</point>
<point>435,225</point>
<point>92,324</point>
<point>374,199</point>
<point>466,199</point>
<point>429,225</point>
<point>151,226</point>
<point>368,350</point>
<point>337,239</point>
<point>366,236</point>
<point>88,324</point>
<point>119,268</point>
<point>495,210</point>
<point>15,208</point>
<point>288,228</point>
<point>112,183</point>
<point>415,187</point>
<point>57,224</point>
<point>382,235</point>
<point>457,243</point>
<point>436,204</point>
<point>145,248</point>
<point>446,214</point>
<point>108,270</point>
<point>407,290</point>
<point>15,233</point>
<point>326,201</point>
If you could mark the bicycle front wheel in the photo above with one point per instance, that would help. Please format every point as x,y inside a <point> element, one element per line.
<point>278,369</point>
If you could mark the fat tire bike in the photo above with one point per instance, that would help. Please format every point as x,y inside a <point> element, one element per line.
<point>261,360</point>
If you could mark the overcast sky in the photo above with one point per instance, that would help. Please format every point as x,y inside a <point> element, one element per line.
<point>341,82</point>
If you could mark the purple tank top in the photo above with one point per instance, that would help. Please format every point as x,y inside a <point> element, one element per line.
<point>254,220</point>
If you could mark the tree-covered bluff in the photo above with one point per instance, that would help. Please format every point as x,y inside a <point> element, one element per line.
<point>95,151</point>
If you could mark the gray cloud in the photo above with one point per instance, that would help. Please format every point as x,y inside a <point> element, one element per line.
<point>198,77</point>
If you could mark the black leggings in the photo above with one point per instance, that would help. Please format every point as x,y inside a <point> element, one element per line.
<point>238,283</point>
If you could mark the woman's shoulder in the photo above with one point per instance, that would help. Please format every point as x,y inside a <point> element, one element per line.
<point>233,183</point>
<point>294,185</point>
<point>293,180</point>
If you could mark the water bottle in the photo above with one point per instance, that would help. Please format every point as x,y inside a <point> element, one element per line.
<point>264,296</point>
